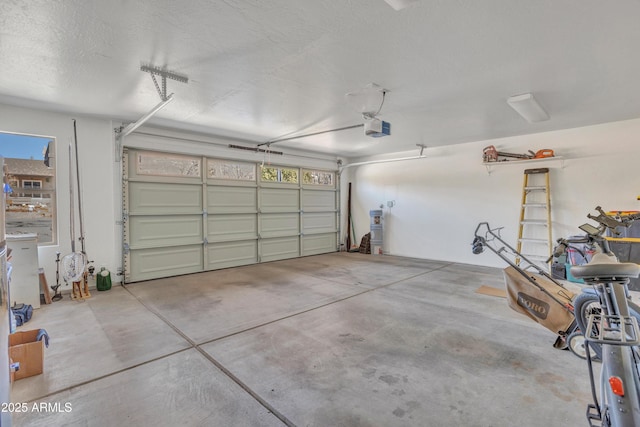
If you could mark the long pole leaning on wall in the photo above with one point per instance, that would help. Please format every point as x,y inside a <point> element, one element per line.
<point>83,249</point>
<point>342,167</point>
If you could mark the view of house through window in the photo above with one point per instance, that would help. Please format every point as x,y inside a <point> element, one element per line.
<point>30,185</point>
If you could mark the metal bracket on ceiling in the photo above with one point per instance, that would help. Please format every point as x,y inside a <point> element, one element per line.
<point>123,131</point>
<point>422,147</point>
<point>164,74</point>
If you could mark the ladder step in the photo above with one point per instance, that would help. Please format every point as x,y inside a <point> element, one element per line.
<point>532,206</point>
<point>538,170</point>
<point>531,240</point>
<point>534,221</point>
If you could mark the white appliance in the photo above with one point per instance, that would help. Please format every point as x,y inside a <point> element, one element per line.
<point>24,286</point>
<point>5,417</point>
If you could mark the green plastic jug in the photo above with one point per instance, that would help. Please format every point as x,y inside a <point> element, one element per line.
<point>103,280</point>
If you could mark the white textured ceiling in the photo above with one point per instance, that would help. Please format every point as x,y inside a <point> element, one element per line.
<point>260,70</point>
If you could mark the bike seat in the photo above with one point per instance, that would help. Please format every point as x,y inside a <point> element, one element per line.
<point>603,267</point>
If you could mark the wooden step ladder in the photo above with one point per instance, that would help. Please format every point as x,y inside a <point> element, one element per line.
<point>534,233</point>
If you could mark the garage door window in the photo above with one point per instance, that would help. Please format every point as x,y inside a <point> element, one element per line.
<point>159,164</point>
<point>226,169</point>
<point>279,174</point>
<point>316,177</point>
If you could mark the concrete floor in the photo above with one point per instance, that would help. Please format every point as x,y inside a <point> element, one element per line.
<point>330,340</point>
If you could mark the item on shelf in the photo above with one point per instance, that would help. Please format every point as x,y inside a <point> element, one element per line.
<point>490,154</point>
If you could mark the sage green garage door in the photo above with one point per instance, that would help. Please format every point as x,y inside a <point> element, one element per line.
<point>188,214</point>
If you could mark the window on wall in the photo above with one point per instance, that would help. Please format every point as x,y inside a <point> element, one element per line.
<point>29,185</point>
<point>279,174</point>
<point>32,188</point>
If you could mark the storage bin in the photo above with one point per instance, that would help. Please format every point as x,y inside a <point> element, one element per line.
<point>627,251</point>
<point>632,231</point>
<point>559,271</point>
<point>570,276</point>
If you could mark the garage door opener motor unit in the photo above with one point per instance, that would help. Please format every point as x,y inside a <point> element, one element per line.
<point>377,128</point>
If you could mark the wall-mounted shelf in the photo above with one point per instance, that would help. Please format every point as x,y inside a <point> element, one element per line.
<point>490,165</point>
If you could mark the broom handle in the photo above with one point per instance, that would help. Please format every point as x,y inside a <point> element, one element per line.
<point>71,210</point>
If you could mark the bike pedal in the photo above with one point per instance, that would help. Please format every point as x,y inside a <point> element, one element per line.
<point>593,415</point>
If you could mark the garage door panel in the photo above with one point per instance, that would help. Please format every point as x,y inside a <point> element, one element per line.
<point>164,262</point>
<point>231,199</point>
<point>279,248</point>
<point>179,222</point>
<point>232,227</point>
<point>318,222</point>
<point>149,198</point>
<point>318,244</point>
<point>232,254</point>
<point>165,230</point>
<point>317,200</point>
<point>279,224</point>
<point>279,200</point>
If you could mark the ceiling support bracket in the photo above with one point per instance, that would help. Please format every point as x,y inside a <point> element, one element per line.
<point>164,74</point>
<point>123,131</point>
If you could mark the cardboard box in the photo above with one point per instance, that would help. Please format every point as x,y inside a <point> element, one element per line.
<point>24,349</point>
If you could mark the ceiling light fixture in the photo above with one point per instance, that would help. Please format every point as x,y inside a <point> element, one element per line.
<point>527,106</point>
<point>400,4</point>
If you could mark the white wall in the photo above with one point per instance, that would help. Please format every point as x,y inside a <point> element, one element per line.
<point>96,155</point>
<point>439,200</point>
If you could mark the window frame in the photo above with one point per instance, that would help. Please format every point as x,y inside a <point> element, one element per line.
<point>44,208</point>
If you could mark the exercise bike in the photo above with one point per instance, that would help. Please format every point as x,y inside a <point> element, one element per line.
<point>609,325</point>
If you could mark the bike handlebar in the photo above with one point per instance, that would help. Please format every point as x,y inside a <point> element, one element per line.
<point>594,234</point>
<point>612,222</point>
